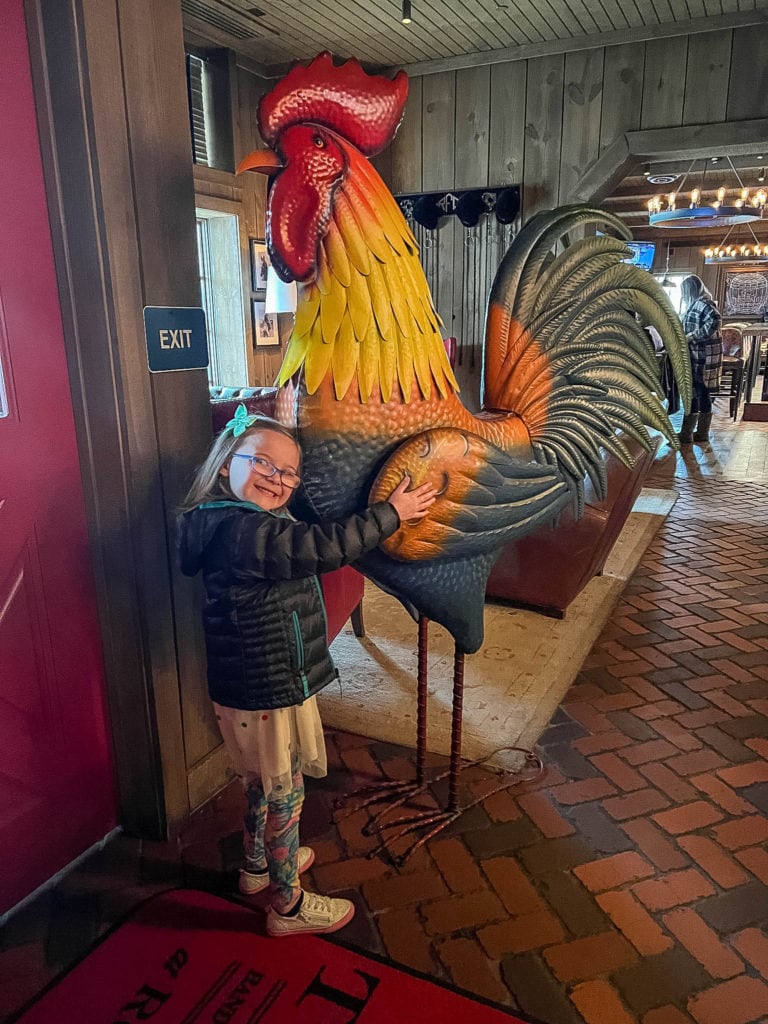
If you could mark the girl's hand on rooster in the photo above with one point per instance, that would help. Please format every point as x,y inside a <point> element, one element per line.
<point>413,504</point>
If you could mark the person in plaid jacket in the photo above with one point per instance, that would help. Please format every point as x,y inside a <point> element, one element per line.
<point>701,323</point>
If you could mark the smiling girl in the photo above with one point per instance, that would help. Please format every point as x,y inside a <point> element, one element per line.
<point>266,641</point>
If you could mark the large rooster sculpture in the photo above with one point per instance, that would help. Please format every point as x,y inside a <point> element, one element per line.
<point>366,380</point>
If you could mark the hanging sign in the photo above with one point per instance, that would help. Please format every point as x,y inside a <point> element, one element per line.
<point>176,338</point>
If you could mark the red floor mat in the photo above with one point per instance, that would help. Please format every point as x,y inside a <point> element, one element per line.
<point>187,957</point>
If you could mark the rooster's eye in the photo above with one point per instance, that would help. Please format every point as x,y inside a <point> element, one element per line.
<point>319,141</point>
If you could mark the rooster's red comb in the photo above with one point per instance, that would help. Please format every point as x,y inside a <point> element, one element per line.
<point>364,109</point>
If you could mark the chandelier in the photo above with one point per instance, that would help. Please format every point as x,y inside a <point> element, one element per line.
<point>681,210</point>
<point>753,251</point>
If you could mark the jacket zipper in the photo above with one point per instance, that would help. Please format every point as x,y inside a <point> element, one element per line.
<point>300,652</point>
<point>319,589</point>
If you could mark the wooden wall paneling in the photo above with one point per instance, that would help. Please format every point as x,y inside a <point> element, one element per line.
<point>438,145</point>
<point>472,127</point>
<point>748,84</point>
<point>250,90</point>
<point>471,170</point>
<point>582,102</point>
<point>406,154</point>
<point>706,78</point>
<point>543,134</point>
<point>506,151</point>
<point>156,104</point>
<point>622,98</point>
<point>664,82</point>
<point>116,130</point>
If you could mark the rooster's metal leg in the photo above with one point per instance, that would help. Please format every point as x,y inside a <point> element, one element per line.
<point>435,821</point>
<point>457,713</point>
<point>379,791</point>
<point>431,820</point>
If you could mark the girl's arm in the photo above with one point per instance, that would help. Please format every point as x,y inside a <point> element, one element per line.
<point>282,549</point>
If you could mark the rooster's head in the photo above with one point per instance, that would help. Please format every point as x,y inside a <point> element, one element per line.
<point>309,121</point>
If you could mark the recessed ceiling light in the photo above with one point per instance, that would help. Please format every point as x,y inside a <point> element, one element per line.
<point>662,179</point>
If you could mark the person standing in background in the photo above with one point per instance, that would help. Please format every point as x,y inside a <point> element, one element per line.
<point>701,323</point>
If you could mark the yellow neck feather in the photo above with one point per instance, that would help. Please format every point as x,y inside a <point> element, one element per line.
<point>368,315</point>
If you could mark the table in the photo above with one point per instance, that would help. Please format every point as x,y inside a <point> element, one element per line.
<point>756,333</point>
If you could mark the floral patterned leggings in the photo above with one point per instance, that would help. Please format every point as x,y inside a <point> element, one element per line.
<point>271,836</point>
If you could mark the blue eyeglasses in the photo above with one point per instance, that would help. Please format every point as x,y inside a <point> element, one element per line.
<point>265,468</point>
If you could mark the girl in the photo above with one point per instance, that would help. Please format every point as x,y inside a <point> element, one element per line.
<point>701,323</point>
<point>266,641</point>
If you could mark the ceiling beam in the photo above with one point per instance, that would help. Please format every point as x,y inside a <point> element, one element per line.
<point>633,149</point>
<point>694,26</point>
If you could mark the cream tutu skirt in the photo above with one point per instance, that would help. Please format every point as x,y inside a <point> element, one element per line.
<point>263,743</point>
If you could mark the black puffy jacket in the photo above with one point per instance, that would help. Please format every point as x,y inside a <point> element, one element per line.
<point>264,618</point>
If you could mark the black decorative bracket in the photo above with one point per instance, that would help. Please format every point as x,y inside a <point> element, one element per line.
<point>469,205</point>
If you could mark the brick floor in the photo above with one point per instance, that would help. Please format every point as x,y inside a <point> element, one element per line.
<point>630,883</point>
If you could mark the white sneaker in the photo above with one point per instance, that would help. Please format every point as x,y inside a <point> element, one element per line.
<point>317,914</point>
<point>252,883</point>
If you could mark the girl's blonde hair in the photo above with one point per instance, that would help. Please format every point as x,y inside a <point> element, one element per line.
<point>209,484</point>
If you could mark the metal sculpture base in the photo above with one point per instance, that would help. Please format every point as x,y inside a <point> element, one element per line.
<point>435,821</point>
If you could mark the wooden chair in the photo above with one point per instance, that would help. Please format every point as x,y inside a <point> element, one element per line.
<point>732,378</point>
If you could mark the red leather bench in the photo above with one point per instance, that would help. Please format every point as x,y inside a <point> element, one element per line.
<point>342,589</point>
<point>548,568</point>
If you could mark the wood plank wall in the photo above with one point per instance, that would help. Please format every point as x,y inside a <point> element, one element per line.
<point>543,121</point>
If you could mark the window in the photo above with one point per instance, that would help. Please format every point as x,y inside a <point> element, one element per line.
<point>197,108</point>
<point>671,285</point>
<point>209,76</point>
<point>221,288</point>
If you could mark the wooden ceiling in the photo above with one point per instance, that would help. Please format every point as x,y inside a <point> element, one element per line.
<point>273,33</point>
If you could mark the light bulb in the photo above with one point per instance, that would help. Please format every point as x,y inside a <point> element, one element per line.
<point>720,194</point>
<point>695,196</point>
<point>406,18</point>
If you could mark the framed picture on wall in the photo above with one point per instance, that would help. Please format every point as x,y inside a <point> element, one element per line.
<point>746,292</point>
<point>265,333</point>
<point>259,264</point>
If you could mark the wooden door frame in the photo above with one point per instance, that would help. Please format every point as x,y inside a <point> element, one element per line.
<point>113,124</point>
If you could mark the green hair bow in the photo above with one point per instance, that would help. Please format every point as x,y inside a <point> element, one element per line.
<point>241,421</point>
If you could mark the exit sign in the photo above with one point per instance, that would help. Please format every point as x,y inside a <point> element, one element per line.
<point>176,338</point>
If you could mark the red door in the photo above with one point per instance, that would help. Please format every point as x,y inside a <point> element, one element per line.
<point>56,775</point>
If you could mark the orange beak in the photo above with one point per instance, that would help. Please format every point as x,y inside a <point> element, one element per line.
<point>262,160</point>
